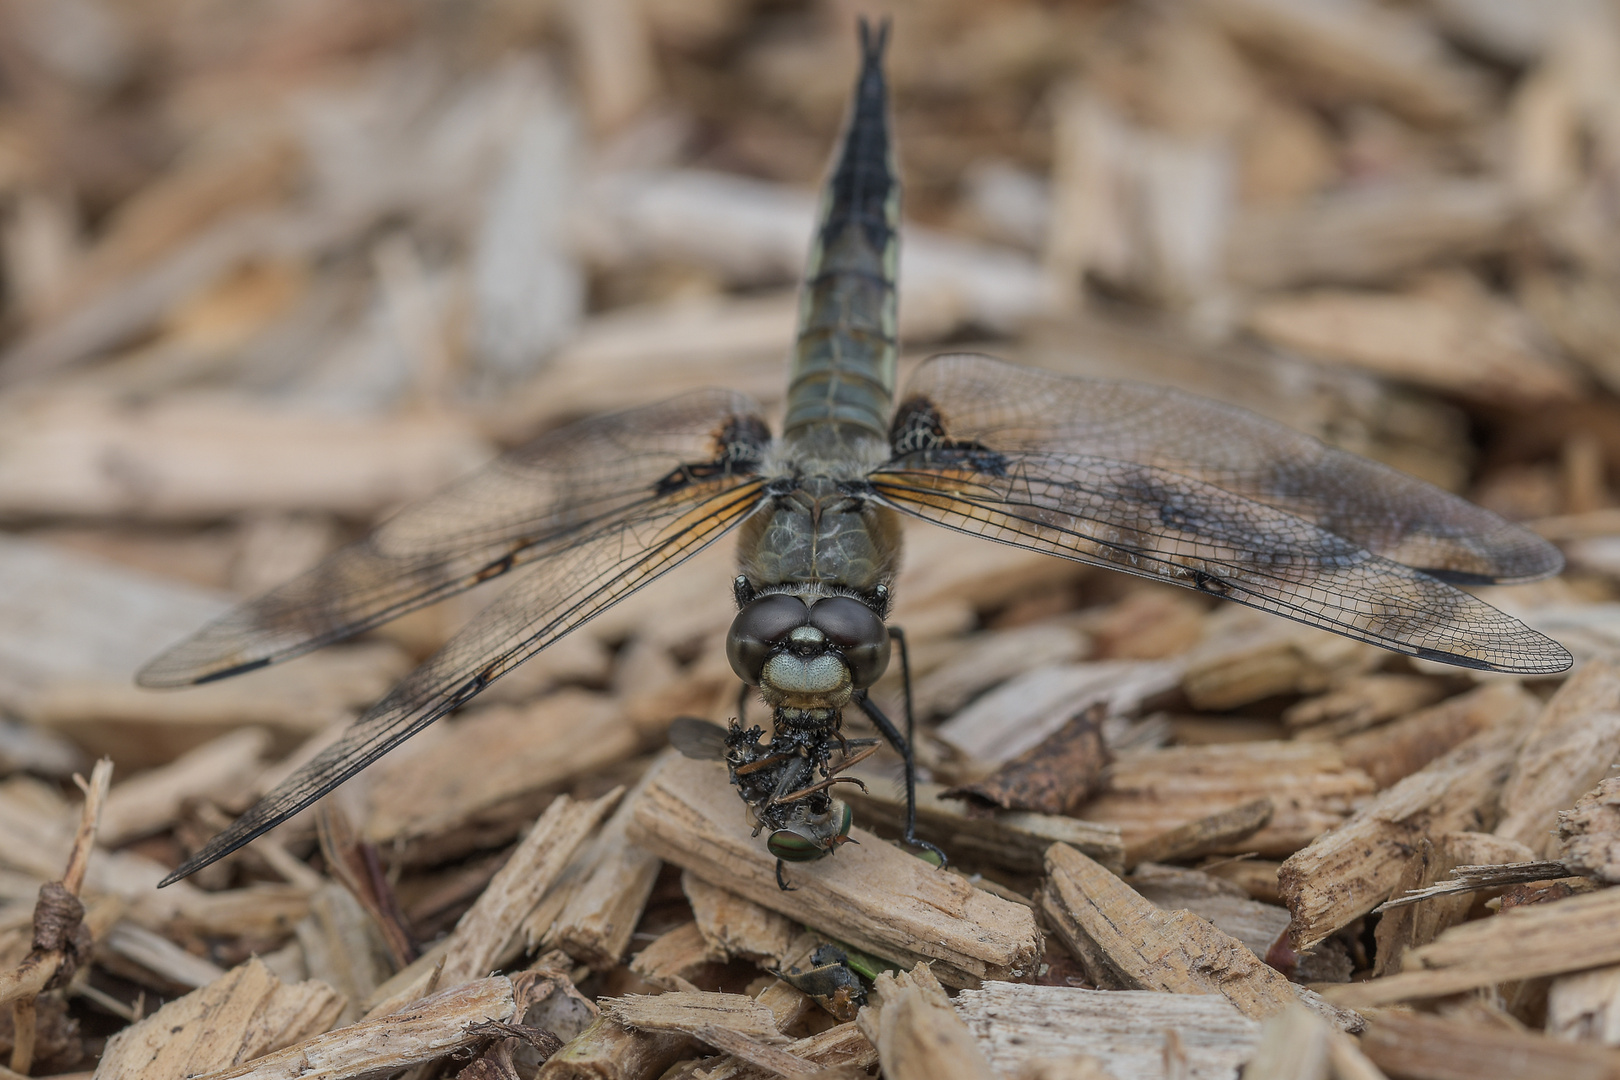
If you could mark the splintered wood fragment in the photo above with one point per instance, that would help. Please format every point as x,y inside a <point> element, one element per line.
<point>595,925</point>
<point>1069,1067</point>
<point>1017,1025</point>
<point>244,1015</point>
<point>1361,48</point>
<point>429,1029</point>
<point>1212,833</point>
<point>1422,337</point>
<point>1298,1045</point>
<point>1397,750</point>
<point>673,957</point>
<point>841,1047</point>
<point>762,1055</point>
<point>1523,942</point>
<point>1152,949</point>
<point>1430,1047</point>
<point>607,1051</point>
<point>691,1010</point>
<point>482,933</point>
<point>1585,1006</point>
<point>1573,743</point>
<point>1589,833</point>
<point>1355,867</point>
<point>1429,863</point>
<point>1360,703</point>
<point>1055,777</point>
<point>1257,877</point>
<point>1310,786</point>
<point>1014,839</point>
<point>152,801</point>
<point>735,927</point>
<point>450,778</point>
<point>916,1031</point>
<point>1244,658</point>
<point>205,457</point>
<point>1473,878</point>
<point>1172,888</point>
<point>870,894</point>
<point>1361,235</point>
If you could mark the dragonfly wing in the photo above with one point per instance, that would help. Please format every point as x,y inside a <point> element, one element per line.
<point>548,599</point>
<point>1000,477</point>
<point>1017,409</point>
<point>580,484</point>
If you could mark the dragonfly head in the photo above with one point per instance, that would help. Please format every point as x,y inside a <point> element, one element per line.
<point>807,651</point>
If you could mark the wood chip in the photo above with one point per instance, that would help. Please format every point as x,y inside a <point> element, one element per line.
<point>1125,1031</point>
<point>246,1014</point>
<point>483,932</point>
<point>1356,866</point>
<point>1428,1046</point>
<point>606,1051</point>
<point>1216,832</point>
<point>1589,833</point>
<point>1397,750</point>
<point>1569,749</point>
<point>1525,942</point>
<point>1431,862</point>
<point>872,895</point>
<point>1014,839</point>
<point>1055,777</point>
<point>1360,703</point>
<point>917,1033</point>
<point>690,1011</point>
<point>1146,948</point>
<point>1310,787</point>
<point>603,909</point>
<point>734,927</point>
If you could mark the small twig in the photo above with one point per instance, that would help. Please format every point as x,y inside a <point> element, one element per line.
<point>61,940</point>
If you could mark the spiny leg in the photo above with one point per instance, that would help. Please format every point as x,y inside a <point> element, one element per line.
<point>781,882</point>
<point>903,745</point>
<point>742,705</point>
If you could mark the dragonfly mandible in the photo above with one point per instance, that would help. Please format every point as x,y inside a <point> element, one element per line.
<point>1131,477</point>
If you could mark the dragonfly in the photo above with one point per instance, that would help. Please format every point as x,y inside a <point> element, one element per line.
<point>1132,477</point>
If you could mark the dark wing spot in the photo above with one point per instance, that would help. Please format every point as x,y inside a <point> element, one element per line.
<point>739,449</point>
<point>919,428</point>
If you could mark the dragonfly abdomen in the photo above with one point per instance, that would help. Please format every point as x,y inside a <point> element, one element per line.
<point>844,361</point>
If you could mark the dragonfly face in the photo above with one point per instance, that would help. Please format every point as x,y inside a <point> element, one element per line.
<point>1136,478</point>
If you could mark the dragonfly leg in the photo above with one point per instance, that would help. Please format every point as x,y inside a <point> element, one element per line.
<point>742,704</point>
<point>903,745</point>
<point>781,882</point>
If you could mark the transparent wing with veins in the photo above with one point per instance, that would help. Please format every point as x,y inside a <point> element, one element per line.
<point>1265,517</point>
<point>581,482</point>
<point>671,510</point>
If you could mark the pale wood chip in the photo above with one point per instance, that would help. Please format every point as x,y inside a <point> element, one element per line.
<point>1352,869</point>
<point>483,932</point>
<point>917,1033</point>
<point>245,1014</point>
<point>870,894</point>
<point>734,927</point>
<point>1572,934</point>
<point>1572,745</point>
<point>1151,949</point>
<point>691,1010</point>
<point>1411,1045</point>
<point>1017,1025</point>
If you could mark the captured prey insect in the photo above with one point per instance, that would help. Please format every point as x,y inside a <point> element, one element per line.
<point>1136,478</point>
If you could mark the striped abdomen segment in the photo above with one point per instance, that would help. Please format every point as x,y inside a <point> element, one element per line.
<point>844,362</point>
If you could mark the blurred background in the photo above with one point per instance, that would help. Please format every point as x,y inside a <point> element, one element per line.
<point>269,269</point>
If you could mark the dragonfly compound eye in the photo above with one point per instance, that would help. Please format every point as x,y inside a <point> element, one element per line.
<point>761,629</point>
<point>812,839</point>
<point>858,633</point>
